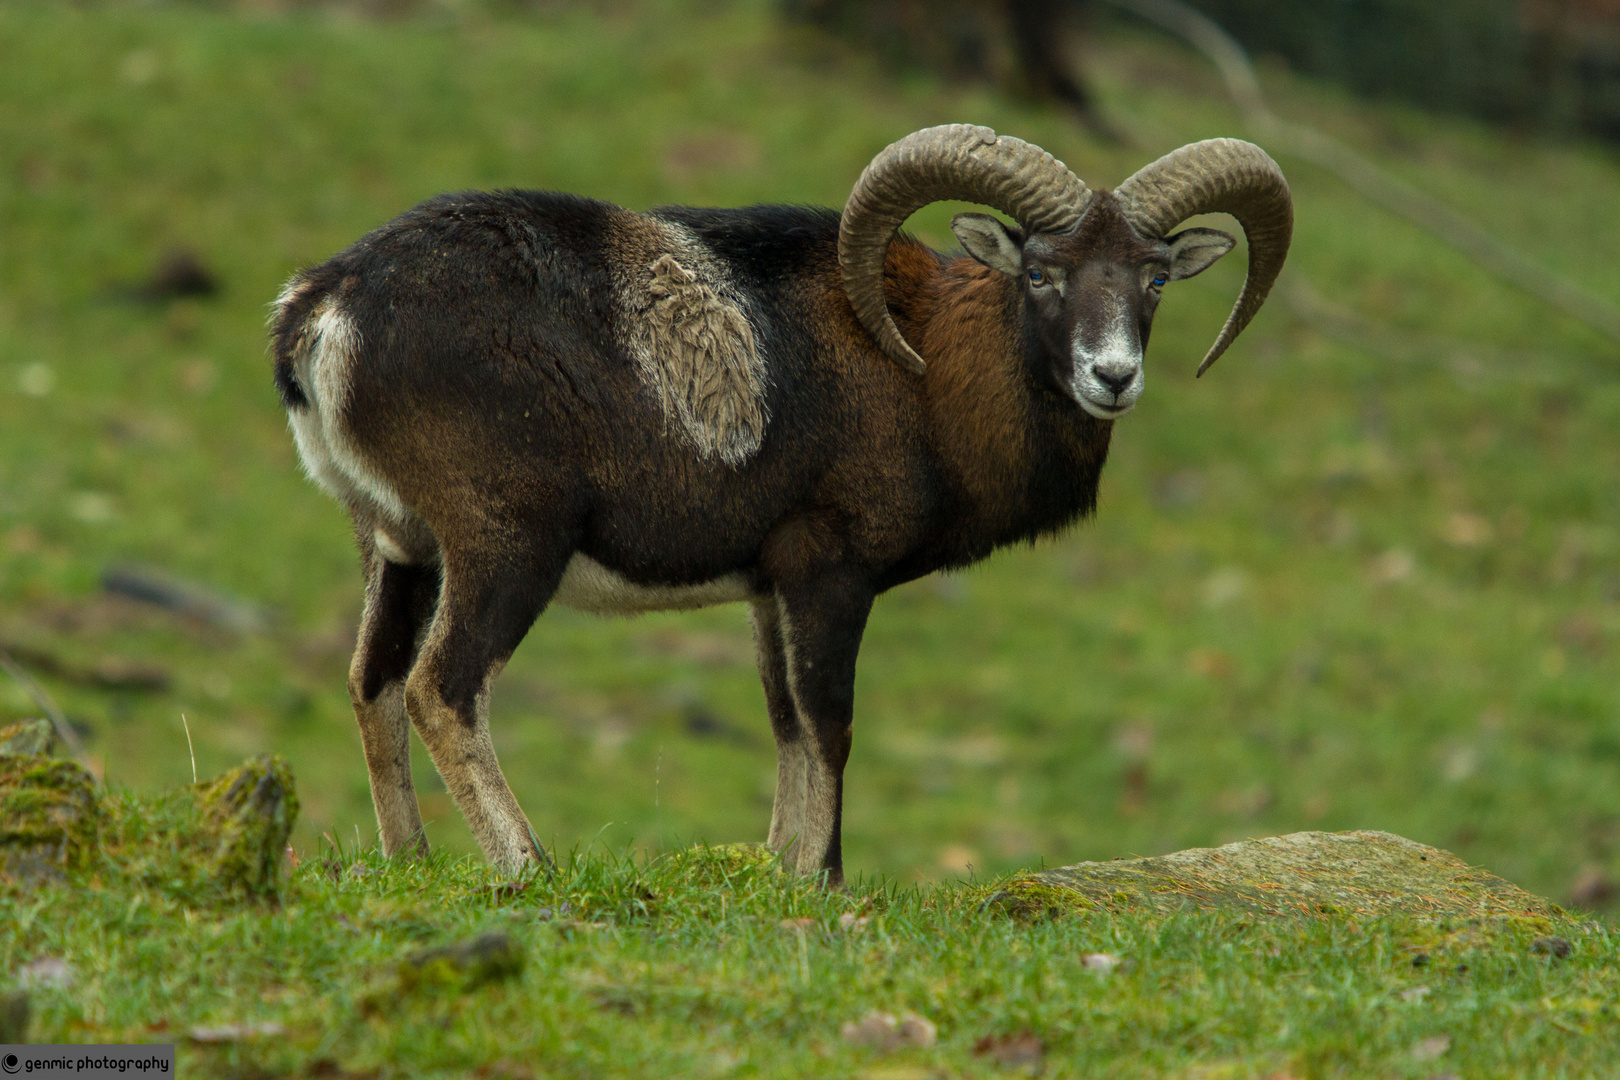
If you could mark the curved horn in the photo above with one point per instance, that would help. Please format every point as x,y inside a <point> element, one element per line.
<point>953,161</point>
<point>1219,175</point>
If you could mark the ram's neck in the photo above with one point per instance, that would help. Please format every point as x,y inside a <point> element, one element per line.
<point>1023,459</point>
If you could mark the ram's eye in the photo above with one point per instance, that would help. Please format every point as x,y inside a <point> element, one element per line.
<point>1159,280</point>
<point>1037,278</point>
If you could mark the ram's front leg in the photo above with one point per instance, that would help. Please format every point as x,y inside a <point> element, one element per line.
<point>792,741</point>
<point>822,620</point>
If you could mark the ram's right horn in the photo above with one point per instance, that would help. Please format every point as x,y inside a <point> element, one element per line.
<point>1219,176</point>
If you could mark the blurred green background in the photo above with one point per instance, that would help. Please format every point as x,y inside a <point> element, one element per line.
<point>1365,574</point>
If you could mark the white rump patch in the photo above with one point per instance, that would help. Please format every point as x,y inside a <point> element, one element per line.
<point>587,585</point>
<point>696,350</point>
<point>324,355</point>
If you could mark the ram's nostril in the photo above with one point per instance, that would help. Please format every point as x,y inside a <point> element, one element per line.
<point>1116,379</point>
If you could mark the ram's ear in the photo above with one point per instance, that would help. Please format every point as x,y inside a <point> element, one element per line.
<point>1192,251</point>
<point>998,246</point>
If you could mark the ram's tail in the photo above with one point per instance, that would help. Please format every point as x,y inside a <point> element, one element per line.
<point>292,336</point>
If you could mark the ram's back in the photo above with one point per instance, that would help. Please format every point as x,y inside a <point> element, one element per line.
<point>518,359</point>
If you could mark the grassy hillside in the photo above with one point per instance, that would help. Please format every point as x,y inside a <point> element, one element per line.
<point>1363,575</point>
<point>709,963</point>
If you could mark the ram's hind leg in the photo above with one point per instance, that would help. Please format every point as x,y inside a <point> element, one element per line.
<point>486,607</point>
<point>399,602</point>
<point>792,742</point>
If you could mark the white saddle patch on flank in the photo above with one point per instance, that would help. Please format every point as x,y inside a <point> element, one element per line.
<point>587,585</point>
<point>696,350</point>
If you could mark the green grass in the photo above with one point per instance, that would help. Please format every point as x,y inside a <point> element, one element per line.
<point>1365,574</point>
<point>682,966</point>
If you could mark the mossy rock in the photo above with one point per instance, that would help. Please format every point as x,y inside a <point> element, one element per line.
<point>1304,874</point>
<point>456,968</point>
<point>50,816</point>
<point>248,813</point>
<point>27,737</point>
<point>463,965</point>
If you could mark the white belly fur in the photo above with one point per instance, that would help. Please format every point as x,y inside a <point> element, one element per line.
<point>587,585</point>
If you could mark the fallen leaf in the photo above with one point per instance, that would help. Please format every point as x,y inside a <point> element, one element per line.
<point>884,1031</point>
<point>1012,1051</point>
<point>1211,663</point>
<point>874,1029</point>
<point>1415,993</point>
<point>1556,947</point>
<point>1099,961</point>
<point>801,923</point>
<point>1431,1048</point>
<point>1467,530</point>
<point>916,1030</point>
<point>724,1061</point>
<point>1393,566</point>
<point>1224,586</point>
<point>46,973</point>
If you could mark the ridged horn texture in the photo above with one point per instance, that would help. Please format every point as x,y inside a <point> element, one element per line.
<point>1227,176</point>
<point>952,161</point>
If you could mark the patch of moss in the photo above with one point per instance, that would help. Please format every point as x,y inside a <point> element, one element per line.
<point>1306,874</point>
<point>708,866</point>
<point>463,965</point>
<point>1030,899</point>
<point>50,815</point>
<point>248,814</point>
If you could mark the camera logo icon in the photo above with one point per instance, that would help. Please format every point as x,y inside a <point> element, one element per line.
<point>10,1063</point>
